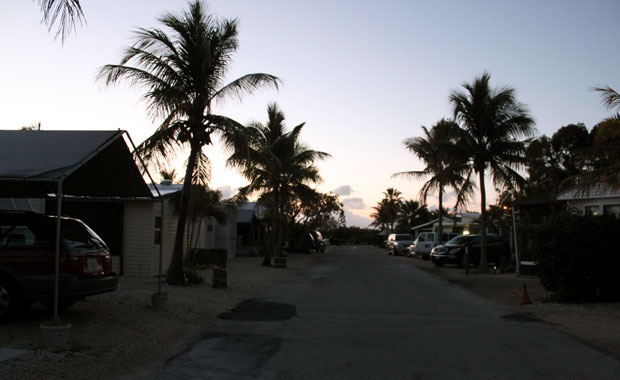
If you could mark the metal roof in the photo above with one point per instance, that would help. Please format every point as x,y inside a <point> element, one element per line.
<point>89,163</point>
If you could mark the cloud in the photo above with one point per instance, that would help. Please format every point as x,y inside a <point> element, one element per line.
<point>357,220</point>
<point>227,191</point>
<point>343,190</point>
<point>354,203</point>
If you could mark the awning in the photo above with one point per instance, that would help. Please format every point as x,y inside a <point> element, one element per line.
<point>90,163</point>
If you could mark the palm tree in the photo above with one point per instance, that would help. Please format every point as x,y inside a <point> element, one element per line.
<point>279,168</point>
<point>392,202</point>
<point>66,12</point>
<point>183,75</point>
<point>492,122</point>
<point>380,215</point>
<point>446,164</point>
<point>411,214</point>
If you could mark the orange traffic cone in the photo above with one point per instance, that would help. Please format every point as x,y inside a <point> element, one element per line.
<point>525,298</point>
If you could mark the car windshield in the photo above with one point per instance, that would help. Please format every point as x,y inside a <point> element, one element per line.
<point>459,240</point>
<point>403,237</point>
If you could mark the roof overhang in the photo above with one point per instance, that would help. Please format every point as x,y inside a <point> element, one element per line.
<point>87,163</point>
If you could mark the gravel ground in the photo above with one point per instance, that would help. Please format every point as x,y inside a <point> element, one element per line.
<point>119,335</point>
<point>595,324</point>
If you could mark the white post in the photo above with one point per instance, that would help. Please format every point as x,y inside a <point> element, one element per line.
<point>57,264</point>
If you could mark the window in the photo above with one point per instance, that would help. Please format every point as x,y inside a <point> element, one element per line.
<point>76,235</point>
<point>592,210</point>
<point>22,236</point>
<point>157,237</point>
<point>611,210</point>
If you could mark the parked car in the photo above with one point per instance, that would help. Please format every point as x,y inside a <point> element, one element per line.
<point>399,243</point>
<point>425,242</point>
<point>453,252</point>
<point>27,262</point>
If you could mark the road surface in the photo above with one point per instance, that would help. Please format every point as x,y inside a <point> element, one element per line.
<point>361,314</point>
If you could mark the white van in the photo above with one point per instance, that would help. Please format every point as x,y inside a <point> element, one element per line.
<point>425,242</point>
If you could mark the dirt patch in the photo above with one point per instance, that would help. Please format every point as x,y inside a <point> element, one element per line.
<point>595,324</point>
<point>260,310</point>
<point>121,336</point>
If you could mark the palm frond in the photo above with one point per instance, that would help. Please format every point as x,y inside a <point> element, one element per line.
<point>611,99</point>
<point>247,84</point>
<point>66,12</point>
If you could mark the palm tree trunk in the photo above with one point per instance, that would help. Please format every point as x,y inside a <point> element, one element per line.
<point>483,225</point>
<point>275,230</point>
<point>278,250</point>
<point>175,275</point>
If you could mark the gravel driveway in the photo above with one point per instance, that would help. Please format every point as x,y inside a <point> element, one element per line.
<point>119,335</point>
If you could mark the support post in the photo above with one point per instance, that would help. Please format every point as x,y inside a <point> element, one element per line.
<point>514,232</point>
<point>57,256</point>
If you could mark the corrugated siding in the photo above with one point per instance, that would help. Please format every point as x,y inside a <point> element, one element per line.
<point>138,236</point>
<point>169,224</point>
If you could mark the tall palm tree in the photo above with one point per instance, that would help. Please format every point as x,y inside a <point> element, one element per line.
<point>183,76</point>
<point>446,165</point>
<point>279,167</point>
<point>492,123</point>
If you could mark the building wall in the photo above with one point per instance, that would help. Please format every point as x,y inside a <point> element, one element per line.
<point>594,204</point>
<point>138,237</point>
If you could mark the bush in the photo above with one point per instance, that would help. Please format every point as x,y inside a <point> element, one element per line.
<point>578,256</point>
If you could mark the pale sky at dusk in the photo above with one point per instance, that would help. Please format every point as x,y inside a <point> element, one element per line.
<point>362,75</point>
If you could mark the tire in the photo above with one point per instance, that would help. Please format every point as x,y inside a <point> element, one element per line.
<point>10,300</point>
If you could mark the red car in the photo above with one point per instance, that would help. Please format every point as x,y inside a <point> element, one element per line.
<point>27,262</point>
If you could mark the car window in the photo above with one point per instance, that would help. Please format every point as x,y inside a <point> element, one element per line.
<point>77,235</point>
<point>459,240</point>
<point>403,237</point>
<point>22,235</point>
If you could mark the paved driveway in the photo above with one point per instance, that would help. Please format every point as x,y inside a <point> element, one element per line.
<point>360,314</point>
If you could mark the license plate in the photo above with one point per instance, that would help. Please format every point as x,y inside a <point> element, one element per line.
<point>93,265</point>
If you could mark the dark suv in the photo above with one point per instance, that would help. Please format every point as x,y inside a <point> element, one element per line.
<point>27,262</point>
<point>453,251</point>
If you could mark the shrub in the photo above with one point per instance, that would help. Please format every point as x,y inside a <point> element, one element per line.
<point>578,256</point>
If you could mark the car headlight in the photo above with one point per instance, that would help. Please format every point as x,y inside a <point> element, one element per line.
<point>440,250</point>
<point>454,250</point>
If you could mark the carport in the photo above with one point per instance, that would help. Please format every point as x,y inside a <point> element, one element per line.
<point>75,164</point>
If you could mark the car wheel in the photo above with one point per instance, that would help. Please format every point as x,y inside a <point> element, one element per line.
<point>10,301</point>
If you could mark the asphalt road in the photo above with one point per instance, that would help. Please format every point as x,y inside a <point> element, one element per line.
<point>361,314</point>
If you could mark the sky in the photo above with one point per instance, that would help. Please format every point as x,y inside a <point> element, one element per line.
<point>362,75</point>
